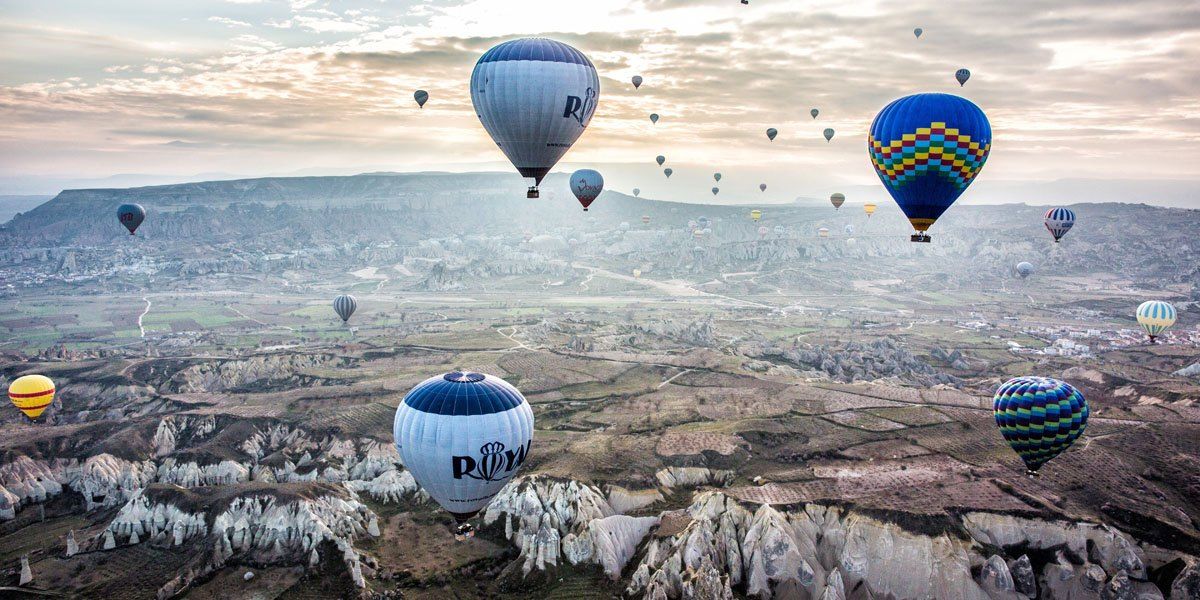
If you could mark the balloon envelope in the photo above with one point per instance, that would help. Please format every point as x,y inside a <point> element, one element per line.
<point>962,75</point>
<point>715,190</point>
<point>716,177</point>
<point>660,159</point>
<point>814,112</point>
<point>869,209</point>
<point>636,192</point>
<point>926,149</point>
<point>637,81</point>
<point>837,199</point>
<point>756,214</point>
<point>1059,221</point>
<point>1024,269</point>
<point>1039,417</point>
<point>421,96</point>
<point>586,184</point>
<point>31,394</point>
<point>823,232</point>
<point>653,117</point>
<point>463,436</point>
<point>345,305</point>
<point>667,171</point>
<point>918,31</point>
<point>771,133</point>
<point>645,219</point>
<point>1155,317</point>
<point>131,216</point>
<point>535,97</point>
<point>828,133</point>
<point>762,187</point>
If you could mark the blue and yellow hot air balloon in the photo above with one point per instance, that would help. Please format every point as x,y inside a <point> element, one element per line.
<point>1039,417</point>
<point>1155,316</point>
<point>927,148</point>
<point>32,395</point>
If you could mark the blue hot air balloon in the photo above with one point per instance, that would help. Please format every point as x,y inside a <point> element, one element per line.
<point>1059,221</point>
<point>131,216</point>
<point>535,97</point>
<point>463,436</point>
<point>1039,417</point>
<point>927,148</point>
<point>1155,316</point>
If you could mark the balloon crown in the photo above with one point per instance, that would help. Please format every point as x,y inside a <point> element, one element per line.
<point>463,377</point>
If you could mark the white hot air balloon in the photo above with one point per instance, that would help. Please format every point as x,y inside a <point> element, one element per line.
<point>463,436</point>
<point>535,97</point>
<point>586,184</point>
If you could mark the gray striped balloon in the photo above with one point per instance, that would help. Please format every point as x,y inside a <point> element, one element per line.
<point>344,306</point>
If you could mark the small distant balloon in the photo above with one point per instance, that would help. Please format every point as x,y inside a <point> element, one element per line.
<point>637,81</point>
<point>637,273</point>
<point>1024,269</point>
<point>762,231</point>
<point>762,187</point>
<point>823,232</point>
<point>828,133</point>
<point>962,75</point>
<point>715,190</point>
<point>345,305</point>
<point>814,112</point>
<point>645,219</point>
<point>131,216</point>
<point>849,229</point>
<point>755,215</point>
<point>837,199</point>
<point>1155,316</point>
<point>586,184</point>
<point>716,176</point>
<point>1059,221</point>
<point>918,31</point>
<point>869,209</point>
<point>421,96</point>
<point>660,159</point>
<point>636,192</point>
<point>771,133</point>
<point>654,117</point>
<point>667,171</point>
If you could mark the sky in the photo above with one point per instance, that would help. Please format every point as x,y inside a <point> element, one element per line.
<point>1080,91</point>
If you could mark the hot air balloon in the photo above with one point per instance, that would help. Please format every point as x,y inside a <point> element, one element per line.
<point>636,192</point>
<point>762,187</point>
<point>849,229</point>
<point>32,395</point>
<point>869,209</point>
<point>822,232</point>
<point>654,118</point>
<point>667,171</point>
<point>645,219</point>
<point>463,436</point>
<point>917,32</point>
<point>421,96</point>
<point>637,273</point>
<point>837,199</point>
<point>962,75</point>
<point>1024,269</point>
<point>586,184</point>
<point>828,133</point>
<point>814,112</point>
<point>715,190</point>
<point>1039,417</point>
<point>698,234</point>
<point>755,215</point>
<point>535,97</point>
<point>927,148</point>
<point>1155,316</point>
<point>1059,221</point>
<point>703,222</point>
<point>771,133</point>
<point>131,216</point>
<point>637,81</point>
<point>660,159</point>
<point>717,177</point>
<point>345,305</point>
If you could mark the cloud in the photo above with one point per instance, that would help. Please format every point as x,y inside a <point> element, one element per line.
<point>1089,89</point>
<point>232,23</point>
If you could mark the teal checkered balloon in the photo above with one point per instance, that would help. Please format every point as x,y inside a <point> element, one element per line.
<point>1039,417</point>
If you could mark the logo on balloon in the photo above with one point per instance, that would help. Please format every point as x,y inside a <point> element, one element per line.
<point>494,464</point>
<point>581,109</point>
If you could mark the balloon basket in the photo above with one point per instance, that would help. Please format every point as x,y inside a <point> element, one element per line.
<point>920,237</point>
<point>533,193</point>
<point>464,532</point>
<point>1031,474</point>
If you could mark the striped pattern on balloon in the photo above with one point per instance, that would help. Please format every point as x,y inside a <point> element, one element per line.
<point>1059,221</point>
<point>1039,417</point>
<point>1156,316</point>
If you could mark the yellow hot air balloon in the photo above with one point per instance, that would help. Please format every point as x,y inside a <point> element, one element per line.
<point>32,394</point>
<point>869,209</point>
<point>756,214</point>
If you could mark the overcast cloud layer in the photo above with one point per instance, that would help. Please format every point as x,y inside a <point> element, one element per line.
<point>1075,89</point>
